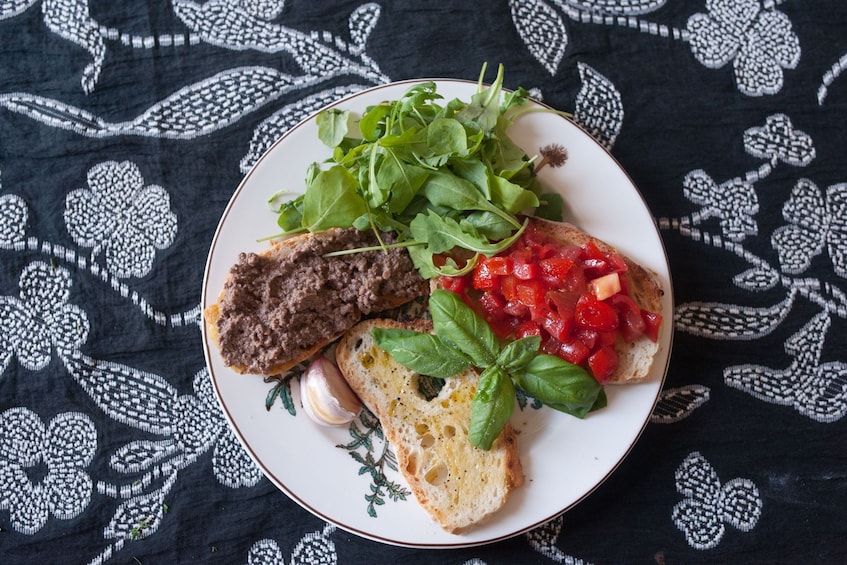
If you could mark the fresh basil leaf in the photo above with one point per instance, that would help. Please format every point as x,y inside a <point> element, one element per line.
<point>560,385</point>
<point>332,126</point>
<point>491,407</point>
<point>456,322</point>
<point>517,354</point>
<point>331,200</point>
<point>424,353</point>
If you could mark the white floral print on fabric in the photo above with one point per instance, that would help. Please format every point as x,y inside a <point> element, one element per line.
<point>814,389</point>
<point>40,320</point>
<point>759,42</point>
<point>755,37</point>
<point>120,217</point>
<point>13,218</point>
<point>543,540</point>
<point>709,505</point>
<point>63,450</point>
<point>315,548</point>
<point>734,202</point>
<point>815,222</point>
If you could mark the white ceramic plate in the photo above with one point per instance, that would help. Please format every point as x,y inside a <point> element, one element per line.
<point>564,458</point>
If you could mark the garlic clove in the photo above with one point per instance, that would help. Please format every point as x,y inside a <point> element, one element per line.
<point>326,396</point>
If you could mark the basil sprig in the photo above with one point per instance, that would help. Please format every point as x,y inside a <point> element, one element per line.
<point>463,339</point>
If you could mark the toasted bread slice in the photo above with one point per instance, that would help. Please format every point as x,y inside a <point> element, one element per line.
<point>458,484</point>
<point>279,307</point>
<point>634,359</point>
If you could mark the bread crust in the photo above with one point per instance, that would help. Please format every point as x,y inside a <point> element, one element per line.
<point>476,483</point>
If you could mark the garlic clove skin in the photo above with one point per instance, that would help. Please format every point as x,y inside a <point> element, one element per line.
<point>326,396</point>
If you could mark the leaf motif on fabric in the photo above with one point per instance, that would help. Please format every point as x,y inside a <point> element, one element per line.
<point>276,125</point>
<point>542,30</point>
<point>262,9</point>
<point>139,455</point>
<point>598,106</point>
<point>317,54</point>
<point>708,504</point>
<point>362,22</point>
<point>729,321</point>
<point>197,109</point>
<point>137,518</point>
<point>615,7</point>
<point>759,278</point>
<point>817,391</point>
<point>777,140</point>
<point>265,552</point>
<point>12,8</point>
<point>676,404</point>
<point>71,20</point>
<point>315,548</point>
<point>543,540</point>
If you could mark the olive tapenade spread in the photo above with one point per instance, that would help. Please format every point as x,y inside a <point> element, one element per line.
<point>277,306</point>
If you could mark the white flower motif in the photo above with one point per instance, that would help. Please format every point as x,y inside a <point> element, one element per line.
<point>759,42</point>
<point>41,319</point>
<point>779,141</point>
<point>265,552</point>
<point>814,222</point>
<point>121,217</point>
<point>734,202</point>
<point>63,450</point>
<point>13,218</point>
<point>709,505</point>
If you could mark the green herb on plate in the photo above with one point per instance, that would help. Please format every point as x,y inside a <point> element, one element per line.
<point>463,339</point>
<point>440,175</point>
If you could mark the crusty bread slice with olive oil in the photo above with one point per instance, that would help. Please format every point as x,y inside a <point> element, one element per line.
<point>458,484</point>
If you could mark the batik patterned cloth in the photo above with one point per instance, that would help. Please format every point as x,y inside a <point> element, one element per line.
<point>126,126</point>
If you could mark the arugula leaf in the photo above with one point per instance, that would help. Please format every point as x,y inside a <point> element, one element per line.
<point>415,156</point>
<point>491,407</point>
<point>331,200</point>
<point>424,353</point>
<point>332,126</point>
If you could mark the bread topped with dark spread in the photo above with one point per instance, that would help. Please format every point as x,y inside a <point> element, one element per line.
<point>282,305</point>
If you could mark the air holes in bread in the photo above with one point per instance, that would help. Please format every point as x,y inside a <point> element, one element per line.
<point>436,475</point>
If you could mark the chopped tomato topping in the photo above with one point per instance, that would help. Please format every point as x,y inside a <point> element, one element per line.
<point>573,297</point>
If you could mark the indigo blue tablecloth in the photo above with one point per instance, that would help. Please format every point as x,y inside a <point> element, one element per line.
<point>126,126</point>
